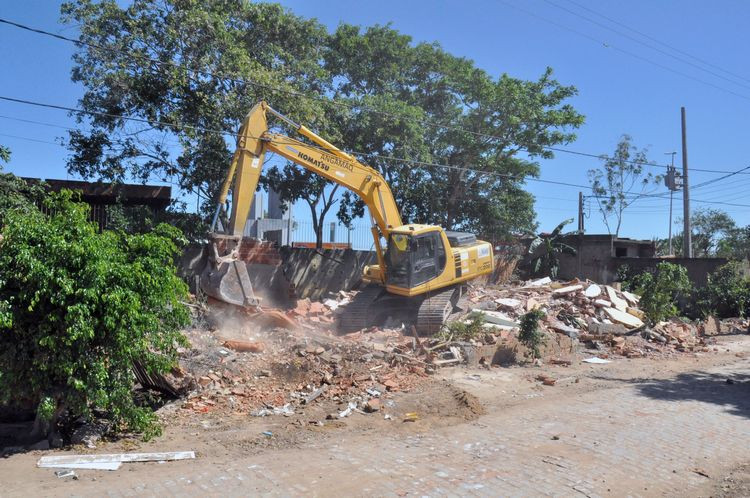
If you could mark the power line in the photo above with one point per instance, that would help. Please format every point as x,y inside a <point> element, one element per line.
<point>348,105</point>
<point>363,154</point>
<point>671,47</point>
<point>648,45</point>
<point>626,52</point>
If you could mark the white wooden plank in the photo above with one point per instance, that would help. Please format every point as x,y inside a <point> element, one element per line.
<point>88,466</point>
<point>116,457</point>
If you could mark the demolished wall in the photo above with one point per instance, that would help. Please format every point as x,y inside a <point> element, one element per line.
<point>314,273</point>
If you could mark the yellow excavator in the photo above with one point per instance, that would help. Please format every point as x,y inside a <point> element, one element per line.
<point>422,270</point>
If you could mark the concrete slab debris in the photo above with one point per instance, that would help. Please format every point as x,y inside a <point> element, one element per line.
<point>616,300</point>
<point>596,360</point>
<point>498,318</point>
<point>562,291</point>
<point>624,318</point>
<point>508,303</point>
<point>593,291</point>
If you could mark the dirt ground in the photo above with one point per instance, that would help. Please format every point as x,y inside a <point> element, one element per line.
<point>453,402</point>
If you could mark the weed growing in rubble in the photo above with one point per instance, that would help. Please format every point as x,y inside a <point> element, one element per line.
<point>78,307</point>
<point>463,330</point>
<point>660,290</point>
<point>531,334</point>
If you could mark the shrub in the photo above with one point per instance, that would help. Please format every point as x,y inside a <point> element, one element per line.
<point>531,335</point>
<point>726,294</point>
<point>463,330</point>
<point>77,307</point>
<point>661,289</point>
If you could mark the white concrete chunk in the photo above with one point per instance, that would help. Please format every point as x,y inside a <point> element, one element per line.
<point>631,298</point>
<point>602,303</point>
<point>507,302</point>
<point>498,318</point>
<point>624,318</point>
<point>567,290</point>
<point>617,301</point>
<point>593,290</point>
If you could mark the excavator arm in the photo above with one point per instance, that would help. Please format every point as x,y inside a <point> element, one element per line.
<point>323,159</point>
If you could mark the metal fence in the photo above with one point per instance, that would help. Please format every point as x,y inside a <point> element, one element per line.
<point>358,236</point>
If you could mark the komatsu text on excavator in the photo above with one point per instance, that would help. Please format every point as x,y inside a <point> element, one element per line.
<point>422,270</point>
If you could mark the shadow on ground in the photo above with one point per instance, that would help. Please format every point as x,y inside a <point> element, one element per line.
<point>729,390</point>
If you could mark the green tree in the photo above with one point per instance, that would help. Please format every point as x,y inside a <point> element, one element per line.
<point>487,123</point>
<point>714,233</point>
<point>78,307</point>
<point>661,289</point>
<point>709,226</point>
<point>620,181</point>
<point>215,61</point>
<point>219,58</point>
<point>726,294</point>
<point>16,193</point>
<point>735,244</point>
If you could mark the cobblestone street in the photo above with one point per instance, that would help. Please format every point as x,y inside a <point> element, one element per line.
<point>626,437</point>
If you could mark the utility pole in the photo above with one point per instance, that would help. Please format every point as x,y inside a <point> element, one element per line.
<point>687,246</point>
<point>671,181</point>
<point>580,212</point>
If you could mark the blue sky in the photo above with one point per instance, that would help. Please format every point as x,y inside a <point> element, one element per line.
<point>624,86</point>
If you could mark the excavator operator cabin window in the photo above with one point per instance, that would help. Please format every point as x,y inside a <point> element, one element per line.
<point>428,257</point>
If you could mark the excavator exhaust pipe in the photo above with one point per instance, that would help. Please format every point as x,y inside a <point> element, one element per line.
<point>225,277</point>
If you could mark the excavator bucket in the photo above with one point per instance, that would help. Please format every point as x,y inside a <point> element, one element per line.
<point>225,278</point>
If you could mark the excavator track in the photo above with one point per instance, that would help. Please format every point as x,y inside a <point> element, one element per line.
<point>358,314</point>
<point>435,310</point>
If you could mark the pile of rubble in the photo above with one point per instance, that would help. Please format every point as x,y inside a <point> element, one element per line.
<point>600,317</point>
<point>301,360</point>
<point>286,371</point>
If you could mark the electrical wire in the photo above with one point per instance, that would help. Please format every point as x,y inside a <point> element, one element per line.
<point>671,47</point>
<point>623,51</point>
<point>348,105</point>
<point>363,154</point>
<point>648,45</point>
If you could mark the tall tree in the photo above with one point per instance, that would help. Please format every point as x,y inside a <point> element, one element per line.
<point>620,181</point>
<point>192,70</point>
<point>384,96</point>
<point>463,118</point>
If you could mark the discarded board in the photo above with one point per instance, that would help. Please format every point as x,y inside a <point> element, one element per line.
<point>68,460</point>
<point>498,318</point>
<point>562,291</point>
<point>624,318</point>
<point>84,466</point>
<point>617,301</point>
<point>596,360</point>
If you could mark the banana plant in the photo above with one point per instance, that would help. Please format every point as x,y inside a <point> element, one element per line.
<point>545,250</point>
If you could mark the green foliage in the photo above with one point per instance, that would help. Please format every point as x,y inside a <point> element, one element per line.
<point>251,48</point>
<point>77,307</point>
<point>625,276</point>
<point>620,181</point>
<point>531,335</point>
<point>4,154</point>
<point>468,328</point>
<point>142,219</point>
<point>714,234</point>
<point>726,294</point>
<point>546,249</point>
<point>661,289</point>
<point>15,194</point>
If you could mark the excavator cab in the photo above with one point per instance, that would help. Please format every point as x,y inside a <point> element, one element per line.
<point>414,260</point>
